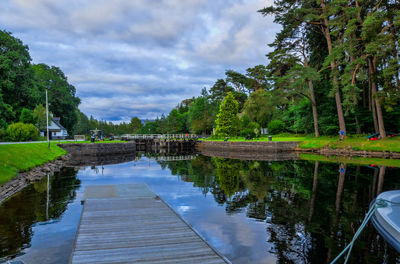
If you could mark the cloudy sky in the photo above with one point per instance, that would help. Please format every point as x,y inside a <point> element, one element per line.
<point>140,57</point>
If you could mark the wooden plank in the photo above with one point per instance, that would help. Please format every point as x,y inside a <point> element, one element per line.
<point>131,224</point>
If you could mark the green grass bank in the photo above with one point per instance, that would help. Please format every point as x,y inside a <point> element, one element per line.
<point>357,143</point>
<point>15,158</point>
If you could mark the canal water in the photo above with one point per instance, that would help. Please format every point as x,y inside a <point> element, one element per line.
<point>252,211</point>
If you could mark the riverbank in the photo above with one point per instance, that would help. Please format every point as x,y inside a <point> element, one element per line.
<point>351,143</point>
<point>19,158</point>
<point>16,158</point>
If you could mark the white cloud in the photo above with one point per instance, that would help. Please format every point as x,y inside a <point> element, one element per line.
<point>160,52</point>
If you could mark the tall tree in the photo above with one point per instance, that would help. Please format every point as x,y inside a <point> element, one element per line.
<point>201,115</point>
<point>17,89</point>
<point>82,126</point>
<point>135,124</point>
<point>219,90</point>
<point>257,78</point>
<point>239,81</point>
<point>290,63</point>
<point>62,99</point>
<point>227,122</point>
<point>260,107</point>
<point>26,116</point>
<point>320,14</point>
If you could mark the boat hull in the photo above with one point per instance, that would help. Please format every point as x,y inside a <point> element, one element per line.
<point>387,219</point>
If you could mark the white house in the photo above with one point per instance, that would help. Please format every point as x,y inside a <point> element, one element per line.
<point>56,130</point>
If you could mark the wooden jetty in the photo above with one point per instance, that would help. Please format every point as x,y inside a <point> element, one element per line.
<point>131,224</point>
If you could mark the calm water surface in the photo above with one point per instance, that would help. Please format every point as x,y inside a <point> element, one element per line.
<point>251,211</point>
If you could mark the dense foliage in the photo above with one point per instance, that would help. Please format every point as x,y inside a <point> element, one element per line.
<point>334,66</point>
<point>23,86</point>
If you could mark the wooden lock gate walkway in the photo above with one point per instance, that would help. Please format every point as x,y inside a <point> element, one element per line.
<point>131,224</point>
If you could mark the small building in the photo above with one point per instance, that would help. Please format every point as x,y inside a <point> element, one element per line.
<point>56,130</point>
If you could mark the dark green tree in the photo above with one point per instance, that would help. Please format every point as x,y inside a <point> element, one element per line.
<point>39,116</point>
<point>17,89</point>
<point>219,90</point>
<point>260,107</point>
<point>239,81</point>
<point>227,122</point>
<point>82,126</point>
<point>135,124</point>
<point>176,122</point>
<point>201,116</point>
<point>63,102</point>
<point>257,78</point>
<point>26,116</point>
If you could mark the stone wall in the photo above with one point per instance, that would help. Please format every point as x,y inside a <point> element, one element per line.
<point>249,146</point>
<point>251,155</point>
<point>99,149</point>
<point>23,179</point>
<point>86,160</point>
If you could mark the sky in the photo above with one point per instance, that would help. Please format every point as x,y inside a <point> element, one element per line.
<point>141,57</point>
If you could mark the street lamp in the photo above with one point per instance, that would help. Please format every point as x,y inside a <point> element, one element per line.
<point>47,114</point>
<point>47,120</point>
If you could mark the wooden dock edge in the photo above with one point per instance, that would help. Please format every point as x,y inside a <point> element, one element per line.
<point>196,232</point>
<point>226,260</point>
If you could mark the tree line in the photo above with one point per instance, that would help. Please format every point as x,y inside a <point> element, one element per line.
<point>334,66</point>
<point>23,102</point>
<point>23,86</point>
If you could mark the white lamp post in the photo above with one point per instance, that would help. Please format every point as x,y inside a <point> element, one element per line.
<point>47,119</point>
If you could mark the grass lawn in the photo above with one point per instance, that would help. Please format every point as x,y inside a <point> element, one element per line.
<point>22,157</point>
<point>88,141</point>
<point>358,142</point>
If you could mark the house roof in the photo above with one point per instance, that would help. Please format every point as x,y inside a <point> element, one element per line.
<point>57,121</point>
<point>55,125</point>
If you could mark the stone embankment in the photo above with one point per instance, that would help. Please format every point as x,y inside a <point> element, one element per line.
<point>23,179</point>
<point>249,146</point>
<point>250,155</point>
<point>99,149</point>
<point>255,150</point>
<point>78,154</point>
<point>279,150</point>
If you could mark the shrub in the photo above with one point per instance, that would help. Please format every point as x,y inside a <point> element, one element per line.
<point>252,129</point>
<point>26,116</point>
<point>22,132</point>
<point>276,127</point>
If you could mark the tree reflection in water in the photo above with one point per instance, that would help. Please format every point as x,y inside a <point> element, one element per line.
<point>311,209</point>
<point>36,203</point>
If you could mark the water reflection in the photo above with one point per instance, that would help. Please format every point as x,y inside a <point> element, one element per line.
<point>290,211</point>
<point>43,201</point>
<point>311,210</point>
